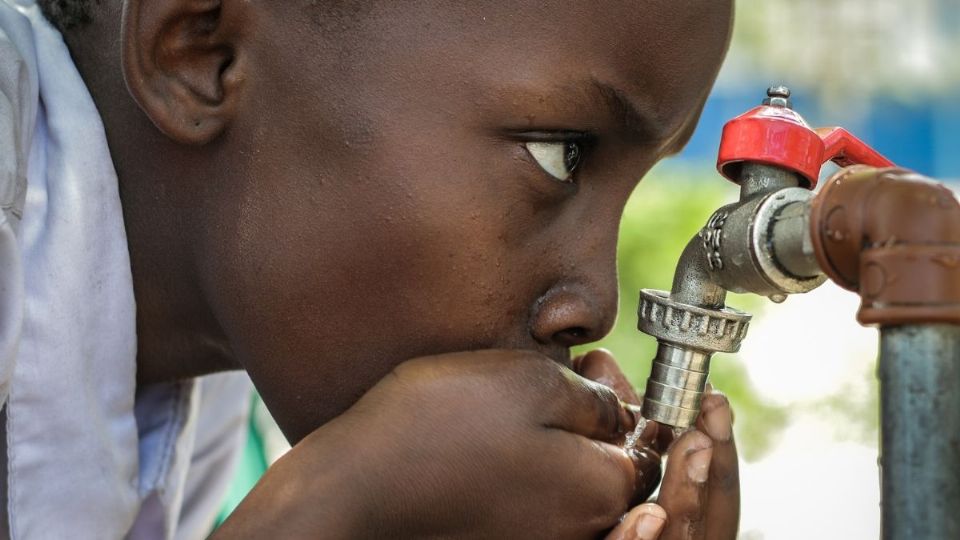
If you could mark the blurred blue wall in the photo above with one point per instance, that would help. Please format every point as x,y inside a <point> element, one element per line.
<point>922,134</point>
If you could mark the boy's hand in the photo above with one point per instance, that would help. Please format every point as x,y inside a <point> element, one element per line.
<point>490,444</point>
<point>700,494</point>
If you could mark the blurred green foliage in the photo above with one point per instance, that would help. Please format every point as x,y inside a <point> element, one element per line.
<point>854,410</point>
<point>664,213</point>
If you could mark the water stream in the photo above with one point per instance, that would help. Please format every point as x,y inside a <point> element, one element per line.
<point>634,436</point>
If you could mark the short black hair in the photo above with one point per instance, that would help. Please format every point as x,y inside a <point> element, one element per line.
<point>66,14</point>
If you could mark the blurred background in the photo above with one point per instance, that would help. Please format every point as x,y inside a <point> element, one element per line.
<point>803,386</point>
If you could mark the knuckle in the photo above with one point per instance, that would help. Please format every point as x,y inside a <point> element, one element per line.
<point>728,482</point>
<point>603,394</point>
<point>407,371</point>
<point>713,401</point>
<point>606,402</point>
<point>605,506</point>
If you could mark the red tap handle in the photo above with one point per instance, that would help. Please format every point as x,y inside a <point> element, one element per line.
<point>774,134</point>
<point>844,149</point>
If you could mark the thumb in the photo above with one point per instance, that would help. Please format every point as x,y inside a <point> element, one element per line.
<point>645,522</point>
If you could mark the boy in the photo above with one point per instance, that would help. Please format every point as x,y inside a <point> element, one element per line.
<point>338,197</point>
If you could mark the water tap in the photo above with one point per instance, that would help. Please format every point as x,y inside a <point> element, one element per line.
<point>760,244</point>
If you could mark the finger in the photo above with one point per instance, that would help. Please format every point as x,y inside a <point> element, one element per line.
<point>642,523</point>
<point>576,363</point>
<point>625,529</point>
<point>723,487</point>
<point>592,481</point>
<point>608,479</point>
<point>664,435</point>
<point>600,366</point>
<point>616,476</point>
<point>683,493</point>
<point>647,470</point>
<point>585,407</point>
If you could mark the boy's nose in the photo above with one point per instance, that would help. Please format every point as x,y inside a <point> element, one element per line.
<point>572,315</point>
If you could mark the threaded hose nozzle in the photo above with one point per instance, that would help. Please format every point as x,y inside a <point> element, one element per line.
<point>677,380</point>
<point>688,336</point>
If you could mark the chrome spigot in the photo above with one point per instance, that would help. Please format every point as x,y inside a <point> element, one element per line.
<point>760,244</point>
<point>740,249</point>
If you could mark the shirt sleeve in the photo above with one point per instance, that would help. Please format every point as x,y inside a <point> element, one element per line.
<point>14,145</point>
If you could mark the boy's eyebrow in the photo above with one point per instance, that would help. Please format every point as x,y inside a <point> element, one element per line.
<point>637,116</point>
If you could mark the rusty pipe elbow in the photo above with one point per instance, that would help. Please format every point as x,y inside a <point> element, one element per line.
<point>893,237</point>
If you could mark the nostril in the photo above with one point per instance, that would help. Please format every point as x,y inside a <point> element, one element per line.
<point>577,331</point>
<point>570,316</point>
<point>572,336</point>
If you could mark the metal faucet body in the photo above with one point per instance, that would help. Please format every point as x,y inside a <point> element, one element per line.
<point>885,233</point>
<point>741,249</point>
<point>760,244</point>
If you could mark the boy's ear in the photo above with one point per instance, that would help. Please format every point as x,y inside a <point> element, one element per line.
<point>181,64</point>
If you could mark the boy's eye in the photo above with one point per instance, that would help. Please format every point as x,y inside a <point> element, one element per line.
<point>559,159</point>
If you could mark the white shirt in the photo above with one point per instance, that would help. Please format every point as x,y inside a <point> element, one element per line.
<point>87,456</point>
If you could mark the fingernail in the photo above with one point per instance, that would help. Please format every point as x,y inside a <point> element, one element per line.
<point>698,465</point>
<point>718,421</point>
<point>627,524</point>
<point>649,527</point>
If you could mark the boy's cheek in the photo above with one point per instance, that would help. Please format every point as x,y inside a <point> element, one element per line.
<point>319,312</point>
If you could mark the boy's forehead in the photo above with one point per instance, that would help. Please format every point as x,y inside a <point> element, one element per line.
<point>624,54</point>
<point>635,28</point>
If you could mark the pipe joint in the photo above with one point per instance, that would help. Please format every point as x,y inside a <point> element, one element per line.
<point>893,237</point>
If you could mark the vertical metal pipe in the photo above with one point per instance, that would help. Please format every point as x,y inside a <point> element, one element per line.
<point>919,374</point>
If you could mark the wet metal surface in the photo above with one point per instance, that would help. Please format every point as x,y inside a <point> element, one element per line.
<point>919,374</point>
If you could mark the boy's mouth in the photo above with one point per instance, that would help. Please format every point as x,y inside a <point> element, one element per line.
<point>560,355</point>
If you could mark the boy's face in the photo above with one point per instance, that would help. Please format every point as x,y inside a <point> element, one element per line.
<point>386,202</point>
